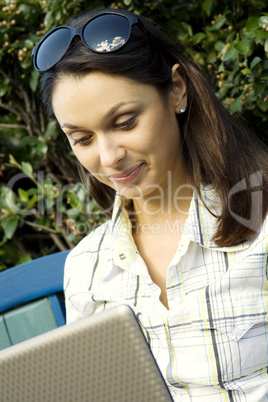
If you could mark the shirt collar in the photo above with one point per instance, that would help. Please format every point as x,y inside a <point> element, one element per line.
<point>200,226</point>
<point>202,222</point>
<point>124,247</point>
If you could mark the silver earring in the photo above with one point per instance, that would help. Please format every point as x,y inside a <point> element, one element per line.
<point>182,109</point>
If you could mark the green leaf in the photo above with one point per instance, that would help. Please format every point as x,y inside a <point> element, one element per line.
<point>266,46</point>
<point>219,46</point>
<point>13,161</point>
<point>47,20</point>
<point>255,61</point>
<point>263,105</point>
<point>34,80</point>
<point>185,28</point>
<point>261,34</point>
<point>252,24</point>
<point>23,195</point>
<point>127,2</point>
<point>236,106</point>
<point>207,6</point>
<point>58,16</point>
<point>27,168</point>
<point>7,200</point>
<point>243,46</point>
<point>211,57</point>
<point>26,63</point>
<point>49,202</point>
<point>10,225</point>
<point>263,21</point>
<point>231,54</point>
<point>70,236</point>
<point>73,213</point>
<point>41,149</point>
<point>24,258</point>
<point>51,129</point>
<point>32,191</point>
<point>259,87</point>
<point>235,90</point>
<point>198,37</point>
<point>4,87</point>
<point>32,202</point>
<point>29,44</point>
<point>219,22</point>
<point>74,201</point>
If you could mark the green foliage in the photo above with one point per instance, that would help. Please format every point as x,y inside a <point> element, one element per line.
<point>43,206</point>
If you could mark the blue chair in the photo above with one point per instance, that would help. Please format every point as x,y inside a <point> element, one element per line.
<point>31,298</point>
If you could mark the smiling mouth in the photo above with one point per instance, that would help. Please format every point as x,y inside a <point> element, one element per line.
<point>127,176</point>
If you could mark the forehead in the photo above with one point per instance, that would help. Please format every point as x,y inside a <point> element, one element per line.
<point>96,83</point>
<point>97,92</point>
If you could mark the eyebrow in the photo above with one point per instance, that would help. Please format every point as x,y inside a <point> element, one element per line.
<point>107,115</point>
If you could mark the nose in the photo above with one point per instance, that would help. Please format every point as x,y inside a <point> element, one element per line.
<point>110,151</point>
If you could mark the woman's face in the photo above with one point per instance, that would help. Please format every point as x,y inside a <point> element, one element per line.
<point>122,131</point>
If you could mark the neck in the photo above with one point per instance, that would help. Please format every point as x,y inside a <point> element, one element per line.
<point>162,206</point>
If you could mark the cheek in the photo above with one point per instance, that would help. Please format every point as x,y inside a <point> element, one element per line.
<point>86,157</point>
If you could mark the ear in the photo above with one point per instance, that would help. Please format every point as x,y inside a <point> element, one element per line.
<point>179,90</point>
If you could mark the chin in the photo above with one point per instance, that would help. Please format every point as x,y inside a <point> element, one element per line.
<point>130,192</point>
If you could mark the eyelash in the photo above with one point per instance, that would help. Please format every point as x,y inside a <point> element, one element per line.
<point>83,141</point>
<point>126,125</point>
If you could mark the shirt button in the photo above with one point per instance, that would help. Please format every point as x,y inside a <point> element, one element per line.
<point>238,333</point>
<point>122,256</point>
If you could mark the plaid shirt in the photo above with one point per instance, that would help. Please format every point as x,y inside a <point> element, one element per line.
<point>212,343</point>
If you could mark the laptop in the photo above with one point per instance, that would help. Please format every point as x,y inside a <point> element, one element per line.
<point>103,358</point>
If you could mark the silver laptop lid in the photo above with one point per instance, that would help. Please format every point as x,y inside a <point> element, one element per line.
<point>101,358</point>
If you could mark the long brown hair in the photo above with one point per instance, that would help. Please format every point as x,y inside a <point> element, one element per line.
<point>218,148</point>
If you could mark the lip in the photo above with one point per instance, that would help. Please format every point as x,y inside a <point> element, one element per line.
<point>128,176</point>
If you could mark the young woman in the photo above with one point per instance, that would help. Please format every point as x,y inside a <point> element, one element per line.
<point>185,187</point>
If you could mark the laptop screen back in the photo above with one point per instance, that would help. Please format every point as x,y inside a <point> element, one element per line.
<point>101,358</point>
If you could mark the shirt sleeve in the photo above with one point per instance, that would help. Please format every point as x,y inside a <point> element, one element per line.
<point>79,300</point>
<point>265,242</point>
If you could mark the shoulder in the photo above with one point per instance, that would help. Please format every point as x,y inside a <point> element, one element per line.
<point>258,244</point>
<point>81,266</point>
<point>262,234</point>
<point>88,249</point>
<point>91,241</point>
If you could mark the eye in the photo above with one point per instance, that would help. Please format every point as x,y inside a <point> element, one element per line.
<point>83,141</point>
<point>127,124</point>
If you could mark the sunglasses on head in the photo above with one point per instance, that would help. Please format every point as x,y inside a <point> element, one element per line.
<point>104,33</point>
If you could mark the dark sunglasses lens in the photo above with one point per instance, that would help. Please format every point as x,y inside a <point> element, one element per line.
<point>107,33</point>
<point>52,49</point>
